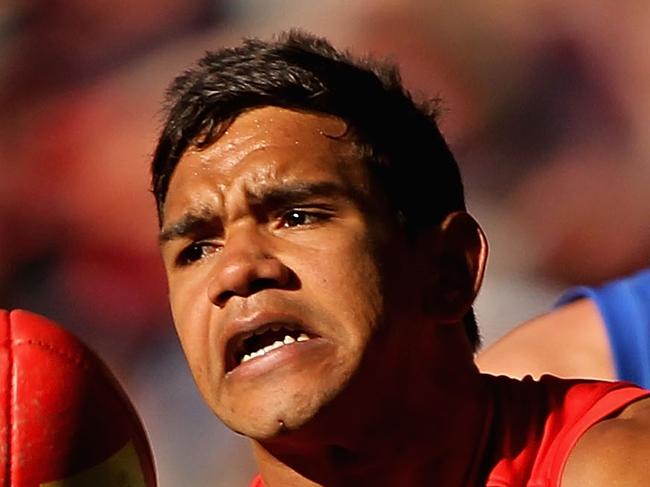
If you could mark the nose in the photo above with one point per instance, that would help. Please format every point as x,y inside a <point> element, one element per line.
<point>244,268</point>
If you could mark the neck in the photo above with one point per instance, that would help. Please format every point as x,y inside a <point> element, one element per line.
<point>420,440</point>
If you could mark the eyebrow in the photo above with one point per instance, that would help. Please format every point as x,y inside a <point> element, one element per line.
<point>196,222</point>
<point>192,223</point>
<point>287,194</point>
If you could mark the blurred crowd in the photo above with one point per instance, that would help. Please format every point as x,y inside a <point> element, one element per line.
<point>545,105</point>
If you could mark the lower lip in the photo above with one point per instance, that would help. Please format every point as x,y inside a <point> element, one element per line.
<point>294,354</point>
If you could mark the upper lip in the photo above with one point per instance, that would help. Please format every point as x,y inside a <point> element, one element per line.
<point>243,327</point>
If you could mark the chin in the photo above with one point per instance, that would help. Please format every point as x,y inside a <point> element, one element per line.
<point>285,400</point>
<point>275,416</point>
<point>271,424</point>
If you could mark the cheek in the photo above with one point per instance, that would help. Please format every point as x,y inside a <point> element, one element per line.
<point>191,319</point>
<point>347,281</point>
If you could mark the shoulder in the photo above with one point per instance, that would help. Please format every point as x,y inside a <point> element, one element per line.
<point>539,346</point>
<point>614,451</point>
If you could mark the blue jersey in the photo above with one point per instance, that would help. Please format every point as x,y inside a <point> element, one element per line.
<point>624,305</point>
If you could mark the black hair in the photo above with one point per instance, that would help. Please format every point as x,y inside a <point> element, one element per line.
<point>399,138</point>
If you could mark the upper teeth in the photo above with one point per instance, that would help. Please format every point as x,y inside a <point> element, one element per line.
<point>277,344</point>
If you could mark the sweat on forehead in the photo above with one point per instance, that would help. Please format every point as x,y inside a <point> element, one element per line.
<point>256,129</point>
<point>280,122</point>
<point>265,147</point>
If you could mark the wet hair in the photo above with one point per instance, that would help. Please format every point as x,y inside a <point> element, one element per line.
<point>398,138</point>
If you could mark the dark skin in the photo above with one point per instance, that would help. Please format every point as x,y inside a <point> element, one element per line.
<point>360,372</point>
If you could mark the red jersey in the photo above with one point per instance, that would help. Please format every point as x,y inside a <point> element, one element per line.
<point>532,426</point>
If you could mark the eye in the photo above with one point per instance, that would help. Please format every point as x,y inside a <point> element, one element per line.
<point>294,218</point>
<point>195,252</point>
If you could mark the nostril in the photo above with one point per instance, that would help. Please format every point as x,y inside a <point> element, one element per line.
<point>223,298</point>
<point>262,283</point>
<point>252,287</point>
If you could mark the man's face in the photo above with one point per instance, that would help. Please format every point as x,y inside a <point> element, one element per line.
<point>273,243</point>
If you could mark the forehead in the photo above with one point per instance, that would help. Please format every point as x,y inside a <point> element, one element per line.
<point>264,146</point>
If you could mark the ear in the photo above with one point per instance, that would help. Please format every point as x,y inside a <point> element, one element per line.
<point>457,268</point>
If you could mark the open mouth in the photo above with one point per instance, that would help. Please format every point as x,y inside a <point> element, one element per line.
<point>266,339</point>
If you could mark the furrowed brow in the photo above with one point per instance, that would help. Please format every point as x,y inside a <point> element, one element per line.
<point>196,223</point>
<point>189,224</point>
<point>298,193</point>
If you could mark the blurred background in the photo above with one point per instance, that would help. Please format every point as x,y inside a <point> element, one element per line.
<point>547,108</point>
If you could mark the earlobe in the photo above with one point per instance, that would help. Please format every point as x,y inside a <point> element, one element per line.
<point>459,266</point>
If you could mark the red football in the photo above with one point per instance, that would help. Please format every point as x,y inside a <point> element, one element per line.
<point>64,420</point>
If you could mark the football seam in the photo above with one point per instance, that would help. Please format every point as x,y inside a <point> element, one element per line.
<point>76,360</point>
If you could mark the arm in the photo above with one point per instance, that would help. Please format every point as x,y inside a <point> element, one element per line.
<point>568,342</point>
<point>613,452</point>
